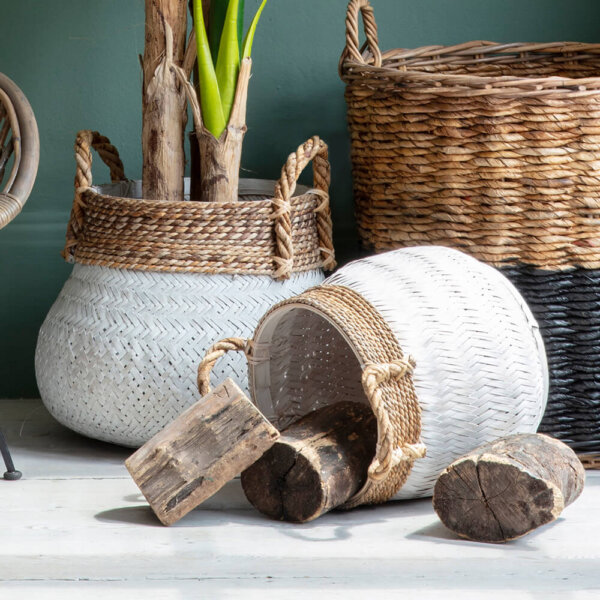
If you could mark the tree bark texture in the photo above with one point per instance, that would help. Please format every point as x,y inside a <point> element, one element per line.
<point>318,464</point>
<point>507,488</point>
<point>163,100</point>
<point>199,452</point>
<point>220,159</point>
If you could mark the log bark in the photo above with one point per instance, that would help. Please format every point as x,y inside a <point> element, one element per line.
<point>505,489</point>
<point>199,452</point>
<point>318,464</point>
<point>220,159</point>
<point>163,100</point>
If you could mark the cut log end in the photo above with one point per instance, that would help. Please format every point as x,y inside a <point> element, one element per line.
<point>506,489</point>
<point>489,501</point>
<point>318,464</point>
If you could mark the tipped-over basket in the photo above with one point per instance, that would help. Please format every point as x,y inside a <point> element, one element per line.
<point>156,282</point>
<point>492,149</point>
<point>442,346</point>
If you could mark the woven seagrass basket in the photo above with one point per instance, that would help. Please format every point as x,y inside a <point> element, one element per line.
<point>441,346</point>
<point>156,282</point>
<point>493,149</point>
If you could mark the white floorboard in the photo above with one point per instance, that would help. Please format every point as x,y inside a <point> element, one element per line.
<point>76,526</point>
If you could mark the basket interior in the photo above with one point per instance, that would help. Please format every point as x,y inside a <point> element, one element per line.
<point>302,362</point>
<point>501,63</point>
<point>250,189</point>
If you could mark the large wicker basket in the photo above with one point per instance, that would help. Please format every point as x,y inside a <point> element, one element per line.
<point>156,282</point>
<point>441,346</point>
<point>493,149</point>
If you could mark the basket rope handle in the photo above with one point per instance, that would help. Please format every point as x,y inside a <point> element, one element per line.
<point>387,455</point>
<point>352,50</point>
<point>213,354</point>
<point>314,150</point>
<point>85,141</point>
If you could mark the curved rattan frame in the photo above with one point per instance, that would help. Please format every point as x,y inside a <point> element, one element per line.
<point>18,136</point>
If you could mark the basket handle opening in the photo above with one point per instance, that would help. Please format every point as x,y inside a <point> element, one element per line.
<point>85,141</point>
<point>352,51</point>
<point>314,150</point>
<point>213,354</point>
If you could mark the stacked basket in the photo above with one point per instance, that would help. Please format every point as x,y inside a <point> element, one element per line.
<point>493,149</point>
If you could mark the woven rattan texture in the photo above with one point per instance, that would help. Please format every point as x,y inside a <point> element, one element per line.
<point>481,368</point>
<point>117,354</point>
<point>480,363</point>
<point>489,148</point>
<point>274,236</point>
<point>374,343</point>
<point>567,307</point>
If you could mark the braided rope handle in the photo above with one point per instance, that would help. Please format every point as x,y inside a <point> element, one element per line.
<point>85,141</point>
<point>352,50</point>
<point>213,354</point>
<point>387,456</point>
<point>314,150</point>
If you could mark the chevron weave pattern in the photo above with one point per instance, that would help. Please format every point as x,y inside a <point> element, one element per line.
<point>117,354</point>
<point>480,369</point>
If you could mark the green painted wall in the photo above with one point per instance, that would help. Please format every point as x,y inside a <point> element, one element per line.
<point>77,62</point>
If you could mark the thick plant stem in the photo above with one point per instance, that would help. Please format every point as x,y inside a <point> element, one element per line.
<point>163,101</point>
<point>220,159</point>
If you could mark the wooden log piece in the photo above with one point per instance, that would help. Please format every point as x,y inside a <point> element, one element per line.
<point>318,464</point>
<point>507,488</point>
<point>204,448</point>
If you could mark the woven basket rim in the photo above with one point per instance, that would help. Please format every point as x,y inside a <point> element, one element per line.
<point>301,194</point>
<point>481,52</point>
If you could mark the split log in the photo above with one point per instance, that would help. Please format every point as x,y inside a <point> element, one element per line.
<point>507,488</point>
<point>318,464</point>
<point>199,452</point>
<point>163,101</point>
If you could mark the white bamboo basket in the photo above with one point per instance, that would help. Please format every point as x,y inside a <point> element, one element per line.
<point>156,282</point>
<point>442,346</point>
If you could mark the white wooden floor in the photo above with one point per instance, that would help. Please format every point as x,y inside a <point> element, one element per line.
<point>76,526</point>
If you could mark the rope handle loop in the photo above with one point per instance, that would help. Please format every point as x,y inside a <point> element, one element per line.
<point>213,354</point>
<point>387,456</point>
<point>352,50</point>
<point>85,141</point>
<point>314,150</point>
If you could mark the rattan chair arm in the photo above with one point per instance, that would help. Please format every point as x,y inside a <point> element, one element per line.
<point>12,147</point>
<point>27,152</point>
<point>352,51</point>
<point>213,354</point>
<point>85,141</point>
<point>387,456</point>
<point>314,150</point>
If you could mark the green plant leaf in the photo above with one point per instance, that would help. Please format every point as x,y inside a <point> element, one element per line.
<point>218,10</point>
<point>228,62</point>
<point>249,39</point>
<point>210,98</point>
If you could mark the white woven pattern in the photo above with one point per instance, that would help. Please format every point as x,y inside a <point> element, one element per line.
<point>481,366</point>
<point>117,354</point>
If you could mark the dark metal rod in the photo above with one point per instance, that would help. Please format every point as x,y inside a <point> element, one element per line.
<point>11,472</point>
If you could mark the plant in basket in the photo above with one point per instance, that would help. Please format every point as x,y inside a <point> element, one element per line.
<point>158,276</point>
